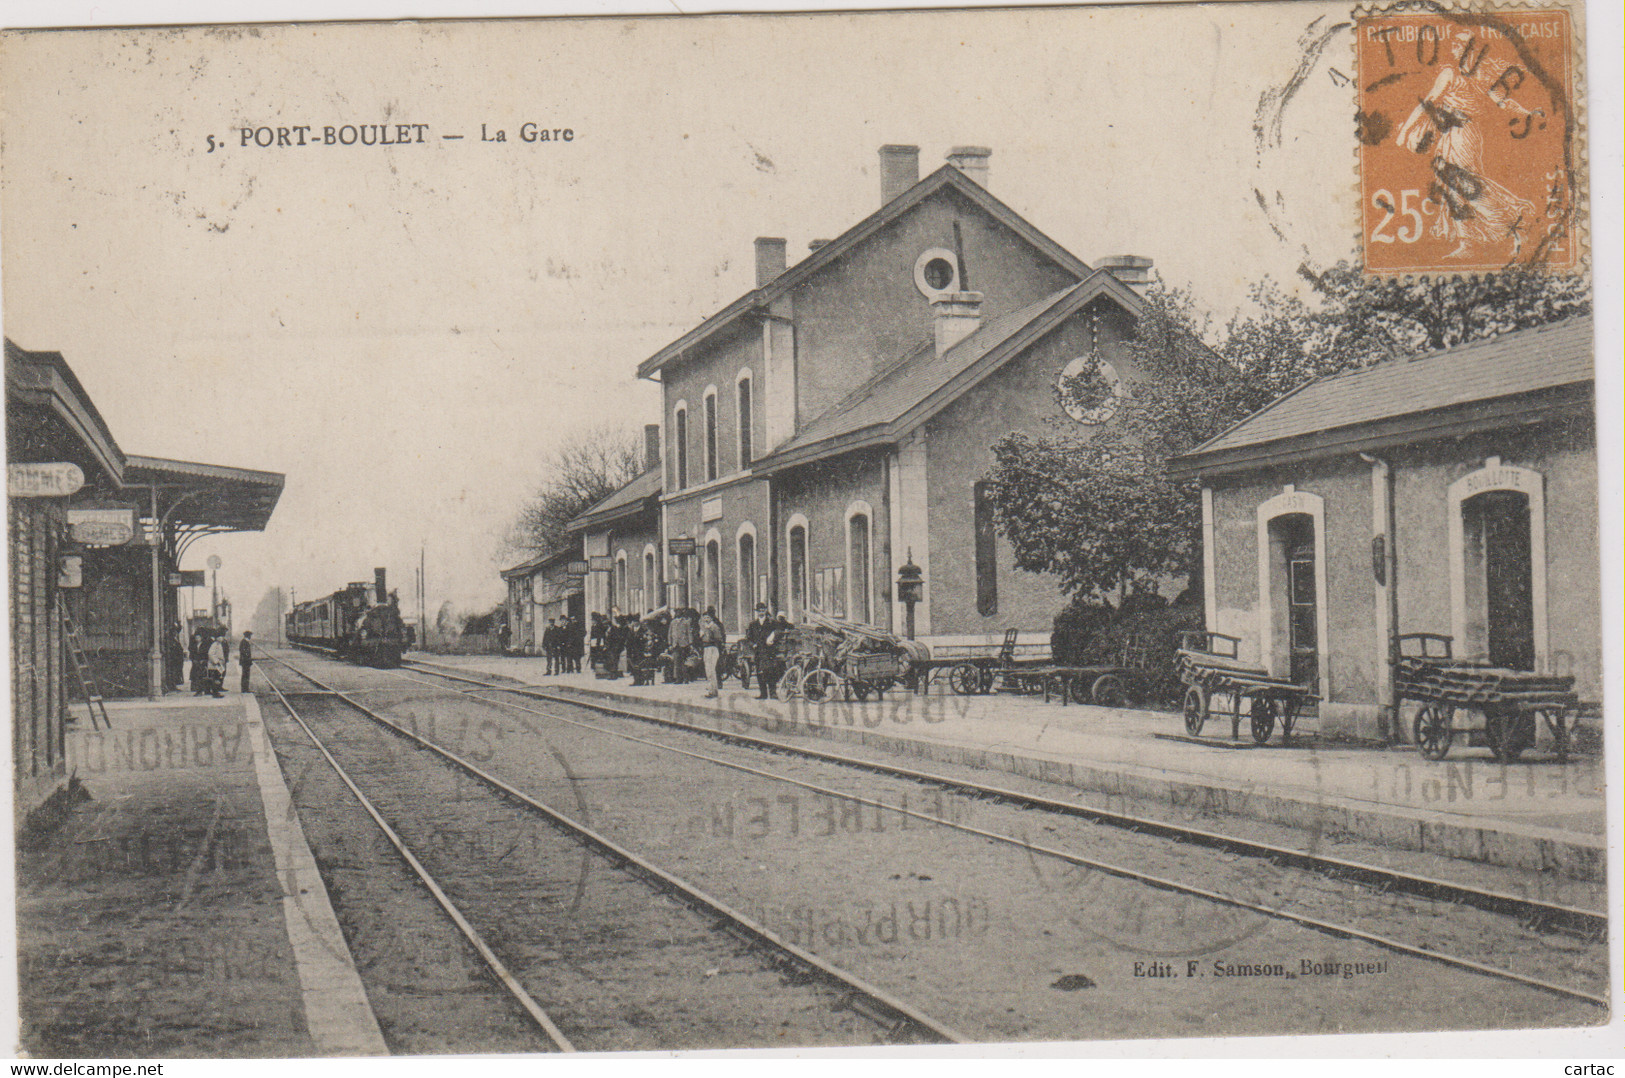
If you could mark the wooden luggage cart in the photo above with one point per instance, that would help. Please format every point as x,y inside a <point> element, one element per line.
<point>1106,684</point>
<point>1509,700</point>
<point>1208,667</point>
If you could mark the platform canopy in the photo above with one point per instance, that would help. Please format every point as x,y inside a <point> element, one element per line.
<point>201,499</point>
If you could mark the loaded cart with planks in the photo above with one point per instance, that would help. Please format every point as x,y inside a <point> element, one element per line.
<point>1509,700</point>
<point>1208,667</point>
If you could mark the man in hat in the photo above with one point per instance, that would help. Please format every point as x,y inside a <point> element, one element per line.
<point>759,638</point>
<point>245,658</point>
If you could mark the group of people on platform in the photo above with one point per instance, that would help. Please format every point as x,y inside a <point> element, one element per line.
<point>683,644</point>
<point>209,652</point>
<point>562,642</point>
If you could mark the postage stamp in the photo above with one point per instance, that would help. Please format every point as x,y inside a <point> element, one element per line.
<point>1467,139</point>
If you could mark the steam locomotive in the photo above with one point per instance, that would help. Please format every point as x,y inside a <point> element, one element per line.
<point>360,624</point>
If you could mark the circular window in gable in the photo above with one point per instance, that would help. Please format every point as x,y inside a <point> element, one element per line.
<point>1089,390</point>
<point>936,272</point>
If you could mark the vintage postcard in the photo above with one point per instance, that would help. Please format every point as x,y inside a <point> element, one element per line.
<point>972,527</point>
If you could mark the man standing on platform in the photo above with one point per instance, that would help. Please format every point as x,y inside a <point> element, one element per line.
<point>712,638</point>
<point>759,638</point>
<point>245,658</point>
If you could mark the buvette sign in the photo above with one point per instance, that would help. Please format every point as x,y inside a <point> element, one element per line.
<point>101,527</point>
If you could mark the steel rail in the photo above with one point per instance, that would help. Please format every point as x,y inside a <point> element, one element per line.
<point>1330,928</point>
<point>527,1003</point>
<point>1590,925</point>
<point>871,1001</point>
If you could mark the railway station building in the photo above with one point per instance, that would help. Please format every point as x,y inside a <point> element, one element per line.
<point>1453,493</point>
<point>835,422</point>
<point>541,590</point>
<point>96,541</point>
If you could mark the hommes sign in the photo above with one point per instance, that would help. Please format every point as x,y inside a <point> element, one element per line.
<point>43,480</point>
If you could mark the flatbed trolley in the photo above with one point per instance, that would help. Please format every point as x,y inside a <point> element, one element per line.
<point>1509,700</point>
<point>1207,665</point>
<point>1106,684</point>
<point>976,669</point>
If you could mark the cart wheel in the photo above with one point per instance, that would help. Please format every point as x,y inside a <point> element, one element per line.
<point>965,679</point>
<point>1108,691</point>
<point>1195,709</point>
<point>1432,730</point>
<point>820,684</point>
<point>1556,720</point>
<point>1263,719</point>
<point>1508,733</point>
<point>1289,719</point>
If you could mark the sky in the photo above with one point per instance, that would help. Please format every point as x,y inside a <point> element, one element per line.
<point>406,331</point>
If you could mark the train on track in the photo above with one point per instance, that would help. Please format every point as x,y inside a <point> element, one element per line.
<point>361,624</point>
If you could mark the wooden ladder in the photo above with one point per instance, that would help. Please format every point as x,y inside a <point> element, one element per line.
<point>87,678</point>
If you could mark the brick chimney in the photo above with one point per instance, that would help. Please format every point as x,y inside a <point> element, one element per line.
<point>899,170</point>
<point>769,259</point>
<point>955,316</point>
<point>972,161</point>
<point>651,446</point>
<point>1132,270</point>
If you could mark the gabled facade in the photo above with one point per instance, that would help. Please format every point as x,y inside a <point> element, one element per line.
<point>836,420</point>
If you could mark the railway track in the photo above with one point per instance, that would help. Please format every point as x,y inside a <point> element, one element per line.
<point>713,939</point>
<point>1533,913</point>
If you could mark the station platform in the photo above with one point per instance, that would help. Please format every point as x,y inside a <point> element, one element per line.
<point>172,907</point>
<point>1535,815</point>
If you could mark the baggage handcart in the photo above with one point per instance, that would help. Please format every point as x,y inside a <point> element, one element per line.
<point>1511,701</point>
<point>1105,684</point>
<point>1208,667</point>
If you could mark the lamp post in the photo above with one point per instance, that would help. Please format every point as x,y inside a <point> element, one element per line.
<point>910,590</point>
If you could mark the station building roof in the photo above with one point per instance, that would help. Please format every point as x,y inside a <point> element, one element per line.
<point>542,561</point>
<point>639,495</point>
<point>758,298</point>
<point>1517,377</point>
<point>911,391</point>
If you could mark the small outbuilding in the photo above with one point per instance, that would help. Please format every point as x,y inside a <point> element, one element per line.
<point>1452,493</point>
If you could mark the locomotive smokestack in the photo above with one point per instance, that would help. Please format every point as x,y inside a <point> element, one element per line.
<point>378,583</point>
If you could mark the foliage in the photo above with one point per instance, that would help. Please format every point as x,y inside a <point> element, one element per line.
<point>1089,632</point>
<point>1096,506</point>
<point>579,474</point>
<point>488,622</point>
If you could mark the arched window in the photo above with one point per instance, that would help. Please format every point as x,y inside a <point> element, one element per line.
<point>797,561</point>
<point>651,583</point>
<point>619,593</point>
<point>710,434</point>
<point>747,575</point>
<point>858,564</point>
<point>680,449</point>
<point>746,411</point>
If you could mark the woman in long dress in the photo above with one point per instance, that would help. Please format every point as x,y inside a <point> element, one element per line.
<point>1474,210</point>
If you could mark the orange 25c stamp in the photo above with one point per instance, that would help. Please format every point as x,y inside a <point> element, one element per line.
<point>1467,134</point>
